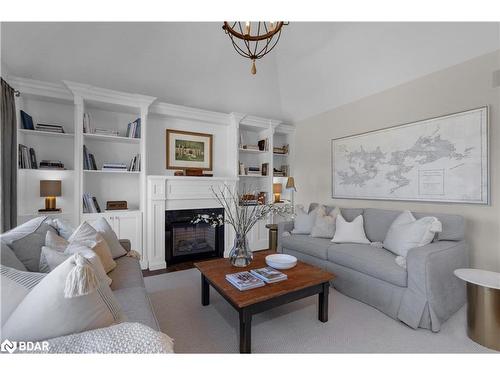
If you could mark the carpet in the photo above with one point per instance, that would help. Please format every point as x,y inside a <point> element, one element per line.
<point>353,327</point>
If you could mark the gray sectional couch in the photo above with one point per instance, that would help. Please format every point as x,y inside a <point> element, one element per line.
<point>424,294</point>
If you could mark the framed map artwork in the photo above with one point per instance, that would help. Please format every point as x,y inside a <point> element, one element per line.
<point>443,159</point>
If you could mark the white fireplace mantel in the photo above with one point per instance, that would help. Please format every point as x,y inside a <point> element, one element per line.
<point>177,193</point>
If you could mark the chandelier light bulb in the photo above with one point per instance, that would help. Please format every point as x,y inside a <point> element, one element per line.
<point>247,28</point>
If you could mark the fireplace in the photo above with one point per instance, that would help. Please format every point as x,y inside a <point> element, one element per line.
<point>186,241</point>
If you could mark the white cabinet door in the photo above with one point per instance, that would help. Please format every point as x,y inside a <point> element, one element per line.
<point>258,238</point>
<point>129,227</point>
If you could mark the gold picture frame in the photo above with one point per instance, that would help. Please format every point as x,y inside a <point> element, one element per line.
<point>188,150</point>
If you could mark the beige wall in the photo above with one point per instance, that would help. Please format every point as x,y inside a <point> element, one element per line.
<point>461,87</point>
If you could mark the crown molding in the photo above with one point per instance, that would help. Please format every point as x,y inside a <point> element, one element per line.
<point>90,92</point>
<point>34,87</point>
<point>179,111</point>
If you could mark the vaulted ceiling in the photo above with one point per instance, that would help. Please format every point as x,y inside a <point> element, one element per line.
<point>314,68</point>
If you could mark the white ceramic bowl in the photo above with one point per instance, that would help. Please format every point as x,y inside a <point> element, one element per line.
<point>281,261</point>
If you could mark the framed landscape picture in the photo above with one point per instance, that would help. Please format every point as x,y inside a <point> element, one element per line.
<point>189,150</point>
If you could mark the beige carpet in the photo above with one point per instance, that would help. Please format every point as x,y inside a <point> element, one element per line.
<point>353,327</point>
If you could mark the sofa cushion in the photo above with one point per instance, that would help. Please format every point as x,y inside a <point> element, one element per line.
<point>453,226</point>
<point>9,259</point>
<point>127,274</point>
<point>369,260</point>
<point>306,244</point>
<point>136,306</point>
<point>348,213</point>
<point>103,227</point>
<point>26,241</point>
<point>378,222</point>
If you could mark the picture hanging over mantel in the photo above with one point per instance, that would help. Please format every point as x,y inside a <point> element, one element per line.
<point>443,159</point>
<point>189,150</point>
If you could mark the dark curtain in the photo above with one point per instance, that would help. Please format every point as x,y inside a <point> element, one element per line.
<point>8,144</point>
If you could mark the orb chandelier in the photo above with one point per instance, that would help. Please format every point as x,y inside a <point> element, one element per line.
<point>254,40</point>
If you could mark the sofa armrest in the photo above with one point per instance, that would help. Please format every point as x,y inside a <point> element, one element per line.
<point>126,244</point>
<point>284,226</point>
<point>119,338</point>
<point>430,274</point>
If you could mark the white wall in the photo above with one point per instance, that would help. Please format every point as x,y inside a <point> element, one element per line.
<point>461,87</point>
<point>156,144</point>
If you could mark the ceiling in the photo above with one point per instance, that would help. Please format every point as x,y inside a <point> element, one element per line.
<point>314,68</point>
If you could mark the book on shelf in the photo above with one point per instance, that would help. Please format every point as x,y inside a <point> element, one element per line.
<point>26,158</point>
<point>135,164</point>
<point>250,147</point>
<point>87,128</point>
<point>26,121</point>
<point>90,204</point>
<point>281,150</point>
<point>244,280</point>
<point>269,275</point>
<point>241,169</point>
<point>282,172</point>
<point>51,164</point>
<point>89,163</point>
<point>134,129</point>
<point>50,128</point>
<point>263,144</point>
<point>108,166</point>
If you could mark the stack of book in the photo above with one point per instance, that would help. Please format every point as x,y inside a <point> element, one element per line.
<point>281,150</point>
<point>253,171</point>
<point>244,280</point>
<point>135,163</point>
<point>90,204</point>
<point>250,147</point>
<point>249,200</point>
<point>51,164</point>
<point>50,128</point>
<point>282,172</point>
<point>26,158</point>
<point>114,167</point>
<point>269,275</point>
<point>89,162</point>
<point>114,133</point>
<point>134,129</point>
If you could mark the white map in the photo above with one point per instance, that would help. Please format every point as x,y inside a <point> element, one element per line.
<point>443,159</point>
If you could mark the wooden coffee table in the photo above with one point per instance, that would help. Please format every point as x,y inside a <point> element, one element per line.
<point>303,281</point>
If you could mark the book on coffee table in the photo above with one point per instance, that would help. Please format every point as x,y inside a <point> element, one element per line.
<point>244,280</point>
<point>269,274</point>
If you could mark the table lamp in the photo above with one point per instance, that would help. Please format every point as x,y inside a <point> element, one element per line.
<point>277,192</point>
<point>50,189</point>
<point>290,185</point>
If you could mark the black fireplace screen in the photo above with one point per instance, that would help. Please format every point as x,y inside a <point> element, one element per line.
<point>185,241</point>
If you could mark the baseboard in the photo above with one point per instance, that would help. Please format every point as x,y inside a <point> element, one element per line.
<point>157,266</point>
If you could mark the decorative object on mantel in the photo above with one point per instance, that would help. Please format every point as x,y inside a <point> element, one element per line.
<point>246,38</point>
<point>188,150</point>
<point>242,218</point>
<point>418,161</point>
<point>179,173</point>
<point>194,172</point>
<point>50,189</point>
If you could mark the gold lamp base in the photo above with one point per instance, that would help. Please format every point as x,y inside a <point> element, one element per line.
<point>50,205</point>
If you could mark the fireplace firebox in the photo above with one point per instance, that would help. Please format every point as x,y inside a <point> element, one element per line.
<point>185,241</point>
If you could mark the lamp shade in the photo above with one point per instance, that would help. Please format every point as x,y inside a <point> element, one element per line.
<point>290,183</point>
<point>276,188</point>
<point>50,188</point>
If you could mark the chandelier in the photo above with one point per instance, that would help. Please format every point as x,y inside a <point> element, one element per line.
<point>254,40</point>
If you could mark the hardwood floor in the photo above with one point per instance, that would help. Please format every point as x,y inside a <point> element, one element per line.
<point>175,267</point>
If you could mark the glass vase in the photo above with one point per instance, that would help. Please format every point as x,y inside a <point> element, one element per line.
<point>240,255</point>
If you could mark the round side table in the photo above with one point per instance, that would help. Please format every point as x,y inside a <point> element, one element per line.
<point>483,306</point>
<point>273,236</point>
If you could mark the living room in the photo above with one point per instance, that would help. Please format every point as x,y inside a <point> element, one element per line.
<point>303,186</point>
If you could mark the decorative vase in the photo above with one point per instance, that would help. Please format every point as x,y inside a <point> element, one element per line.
<point>240,255</point>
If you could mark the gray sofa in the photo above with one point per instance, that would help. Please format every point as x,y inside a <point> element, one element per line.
<point>424,294</point>
<point>140,333</point>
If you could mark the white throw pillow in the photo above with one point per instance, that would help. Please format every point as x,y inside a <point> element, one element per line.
<point>406,233</point>
<point>304,222</point>
<point>45,312</point>
<point>85,236</point>
<point>103,227</point>
<point>14,287</point>
<point>63,227</point>
<point>50,259</point>
<point>324,226</point>
<point>350,232</point>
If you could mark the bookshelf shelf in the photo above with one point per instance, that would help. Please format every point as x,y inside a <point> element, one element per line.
<point>44,170</point>
<point>111,138</point>
<point>48,134</point>
<point>252,151</point>
<point>252,176</point>
<point>111,172</point>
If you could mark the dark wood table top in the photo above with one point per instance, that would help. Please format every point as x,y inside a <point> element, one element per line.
<point>301,276</point>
